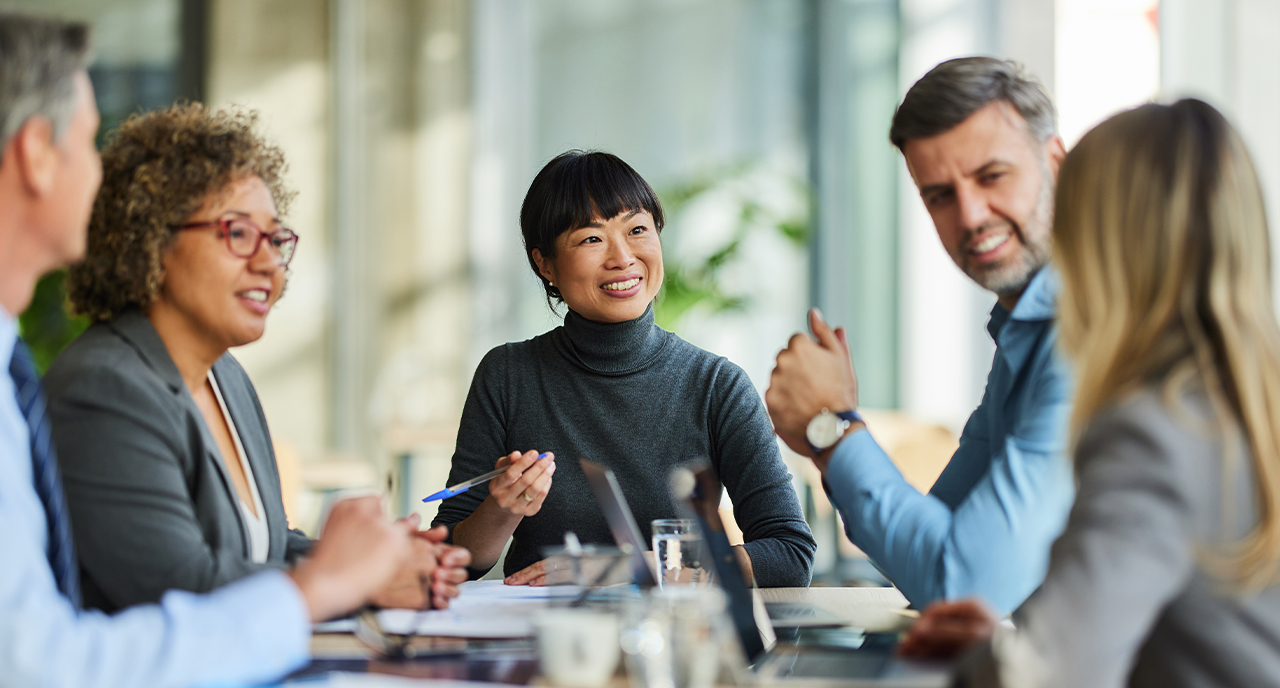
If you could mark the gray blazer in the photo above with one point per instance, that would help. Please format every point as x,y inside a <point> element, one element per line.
<point>151,504</point>
<point>1129,599</point>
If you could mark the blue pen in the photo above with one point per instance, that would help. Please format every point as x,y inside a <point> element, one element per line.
<point>467,485</point>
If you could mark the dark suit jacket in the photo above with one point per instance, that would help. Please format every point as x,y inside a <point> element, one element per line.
<point>151,504</point>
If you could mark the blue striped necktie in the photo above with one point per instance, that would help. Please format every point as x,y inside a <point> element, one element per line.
<point>44,464</point>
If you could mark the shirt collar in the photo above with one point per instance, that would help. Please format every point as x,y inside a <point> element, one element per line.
<point>1034,310</point>
<point>8,336</point>
<point>1039,301</point>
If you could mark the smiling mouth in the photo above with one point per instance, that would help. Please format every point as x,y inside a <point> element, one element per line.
<point>989,243</point>
<point>621,286</point>
<point>255,295</point>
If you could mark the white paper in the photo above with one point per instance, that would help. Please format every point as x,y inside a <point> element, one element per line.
<point>483,609</point>
<point>343,679</point>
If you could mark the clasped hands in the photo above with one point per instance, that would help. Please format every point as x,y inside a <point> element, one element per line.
<point>431,576</point>
<point>363,556</point>
<point>811,374</point>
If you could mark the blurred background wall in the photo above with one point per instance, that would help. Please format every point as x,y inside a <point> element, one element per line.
<point>413,127</point>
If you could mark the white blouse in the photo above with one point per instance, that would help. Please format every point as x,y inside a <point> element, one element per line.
<point>259,536</point>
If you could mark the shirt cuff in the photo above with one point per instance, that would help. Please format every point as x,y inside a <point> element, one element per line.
<point>857,465</point>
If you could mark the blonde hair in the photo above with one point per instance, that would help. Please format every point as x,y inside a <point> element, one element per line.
<point>1161,238</point>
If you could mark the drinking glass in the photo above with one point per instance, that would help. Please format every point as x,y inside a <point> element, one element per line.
<point>679,550</point>
<point>674,638</point>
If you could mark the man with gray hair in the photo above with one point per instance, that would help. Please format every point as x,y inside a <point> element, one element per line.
<point>979,139</point>
<point>247,632</point>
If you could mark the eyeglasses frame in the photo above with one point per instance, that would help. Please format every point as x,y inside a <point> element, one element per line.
<point>224,224</point>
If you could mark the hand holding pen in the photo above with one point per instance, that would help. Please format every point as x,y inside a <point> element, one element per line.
<point>521,483</point>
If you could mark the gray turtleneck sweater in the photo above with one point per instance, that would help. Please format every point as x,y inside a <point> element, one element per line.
<point>640,400</point>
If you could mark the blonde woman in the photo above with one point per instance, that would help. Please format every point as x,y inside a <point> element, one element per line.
<point>1166,573</point>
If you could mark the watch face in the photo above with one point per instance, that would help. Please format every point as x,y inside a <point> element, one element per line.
<point>823,430</point>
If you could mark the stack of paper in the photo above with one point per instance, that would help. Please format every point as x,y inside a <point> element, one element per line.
<point>483,609</point>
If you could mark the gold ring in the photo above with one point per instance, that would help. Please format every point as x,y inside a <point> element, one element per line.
<point>526,496</point>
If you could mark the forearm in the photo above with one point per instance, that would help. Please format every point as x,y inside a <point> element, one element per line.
<point>901,530</point>
<point>485,533</point>
<point>994,544</point>
<point>779,563</point>
<point>248,633</point>
<point>744,563</point>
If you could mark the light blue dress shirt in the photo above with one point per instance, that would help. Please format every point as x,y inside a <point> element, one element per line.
<point>986,526</point>
<point>251,631</point>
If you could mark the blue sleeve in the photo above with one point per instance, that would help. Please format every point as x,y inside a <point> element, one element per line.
<point>994,542</point>
<point>251,631</point>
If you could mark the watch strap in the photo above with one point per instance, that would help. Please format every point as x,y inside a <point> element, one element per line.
<point>851,415</point>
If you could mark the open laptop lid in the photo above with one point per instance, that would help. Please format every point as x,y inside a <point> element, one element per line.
<point>702,495</point>
<point>604,484</point>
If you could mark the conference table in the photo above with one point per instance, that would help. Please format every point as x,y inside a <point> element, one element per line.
<point>340,659</point>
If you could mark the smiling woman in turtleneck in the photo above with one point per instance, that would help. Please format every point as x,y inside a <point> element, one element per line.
<point>611,386</point>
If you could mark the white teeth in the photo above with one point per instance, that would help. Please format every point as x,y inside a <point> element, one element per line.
<point>623,286</point>
<point>258,295</point>
<point>990,243</point>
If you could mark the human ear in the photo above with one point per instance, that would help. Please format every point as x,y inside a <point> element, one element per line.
<point>546,266</point>
<point>1054,152</point>
<point>36,155</point>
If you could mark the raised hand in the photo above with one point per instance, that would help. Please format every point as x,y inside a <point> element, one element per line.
<point>811,374</point>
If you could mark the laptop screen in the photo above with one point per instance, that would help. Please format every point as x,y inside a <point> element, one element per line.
<point>604,485</point>
<point>704,500</point>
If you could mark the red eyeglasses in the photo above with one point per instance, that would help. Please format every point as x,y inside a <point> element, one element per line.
<point>244,238</point>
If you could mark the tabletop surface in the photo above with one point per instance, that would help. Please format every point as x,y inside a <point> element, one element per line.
<point>514,661</point>
<point>875,609</point>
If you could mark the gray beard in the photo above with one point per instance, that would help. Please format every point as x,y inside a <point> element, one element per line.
<point>1011,279</point>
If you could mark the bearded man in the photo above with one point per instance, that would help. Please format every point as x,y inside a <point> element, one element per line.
<point>979,138</point>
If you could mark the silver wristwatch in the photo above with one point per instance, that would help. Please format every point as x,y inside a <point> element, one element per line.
<point>826,428</point>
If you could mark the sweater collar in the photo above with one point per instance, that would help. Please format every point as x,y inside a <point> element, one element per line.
<point>613,348</point>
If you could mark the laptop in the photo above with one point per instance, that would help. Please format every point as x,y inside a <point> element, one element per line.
<point>605,487</point>
<point>812,658</point>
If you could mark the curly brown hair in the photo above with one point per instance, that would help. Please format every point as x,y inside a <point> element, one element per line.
<point>158,169</point>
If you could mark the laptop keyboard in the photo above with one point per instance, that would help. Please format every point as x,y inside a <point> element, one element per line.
<point>833,664</point>
<point>789,610</point>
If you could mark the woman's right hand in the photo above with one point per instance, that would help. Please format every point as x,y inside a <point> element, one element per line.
<point>521,490</point>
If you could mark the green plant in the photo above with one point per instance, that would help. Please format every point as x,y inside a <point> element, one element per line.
<point>47,325</point>
<point>697,283</point>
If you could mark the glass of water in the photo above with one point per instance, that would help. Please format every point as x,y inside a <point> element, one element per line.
<point>676,637</point>
<point>679,549</point>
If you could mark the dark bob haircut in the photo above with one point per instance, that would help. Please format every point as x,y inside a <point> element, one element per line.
<point>572,191</point>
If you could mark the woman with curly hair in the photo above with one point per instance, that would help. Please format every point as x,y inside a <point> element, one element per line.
<point>170,475</point>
